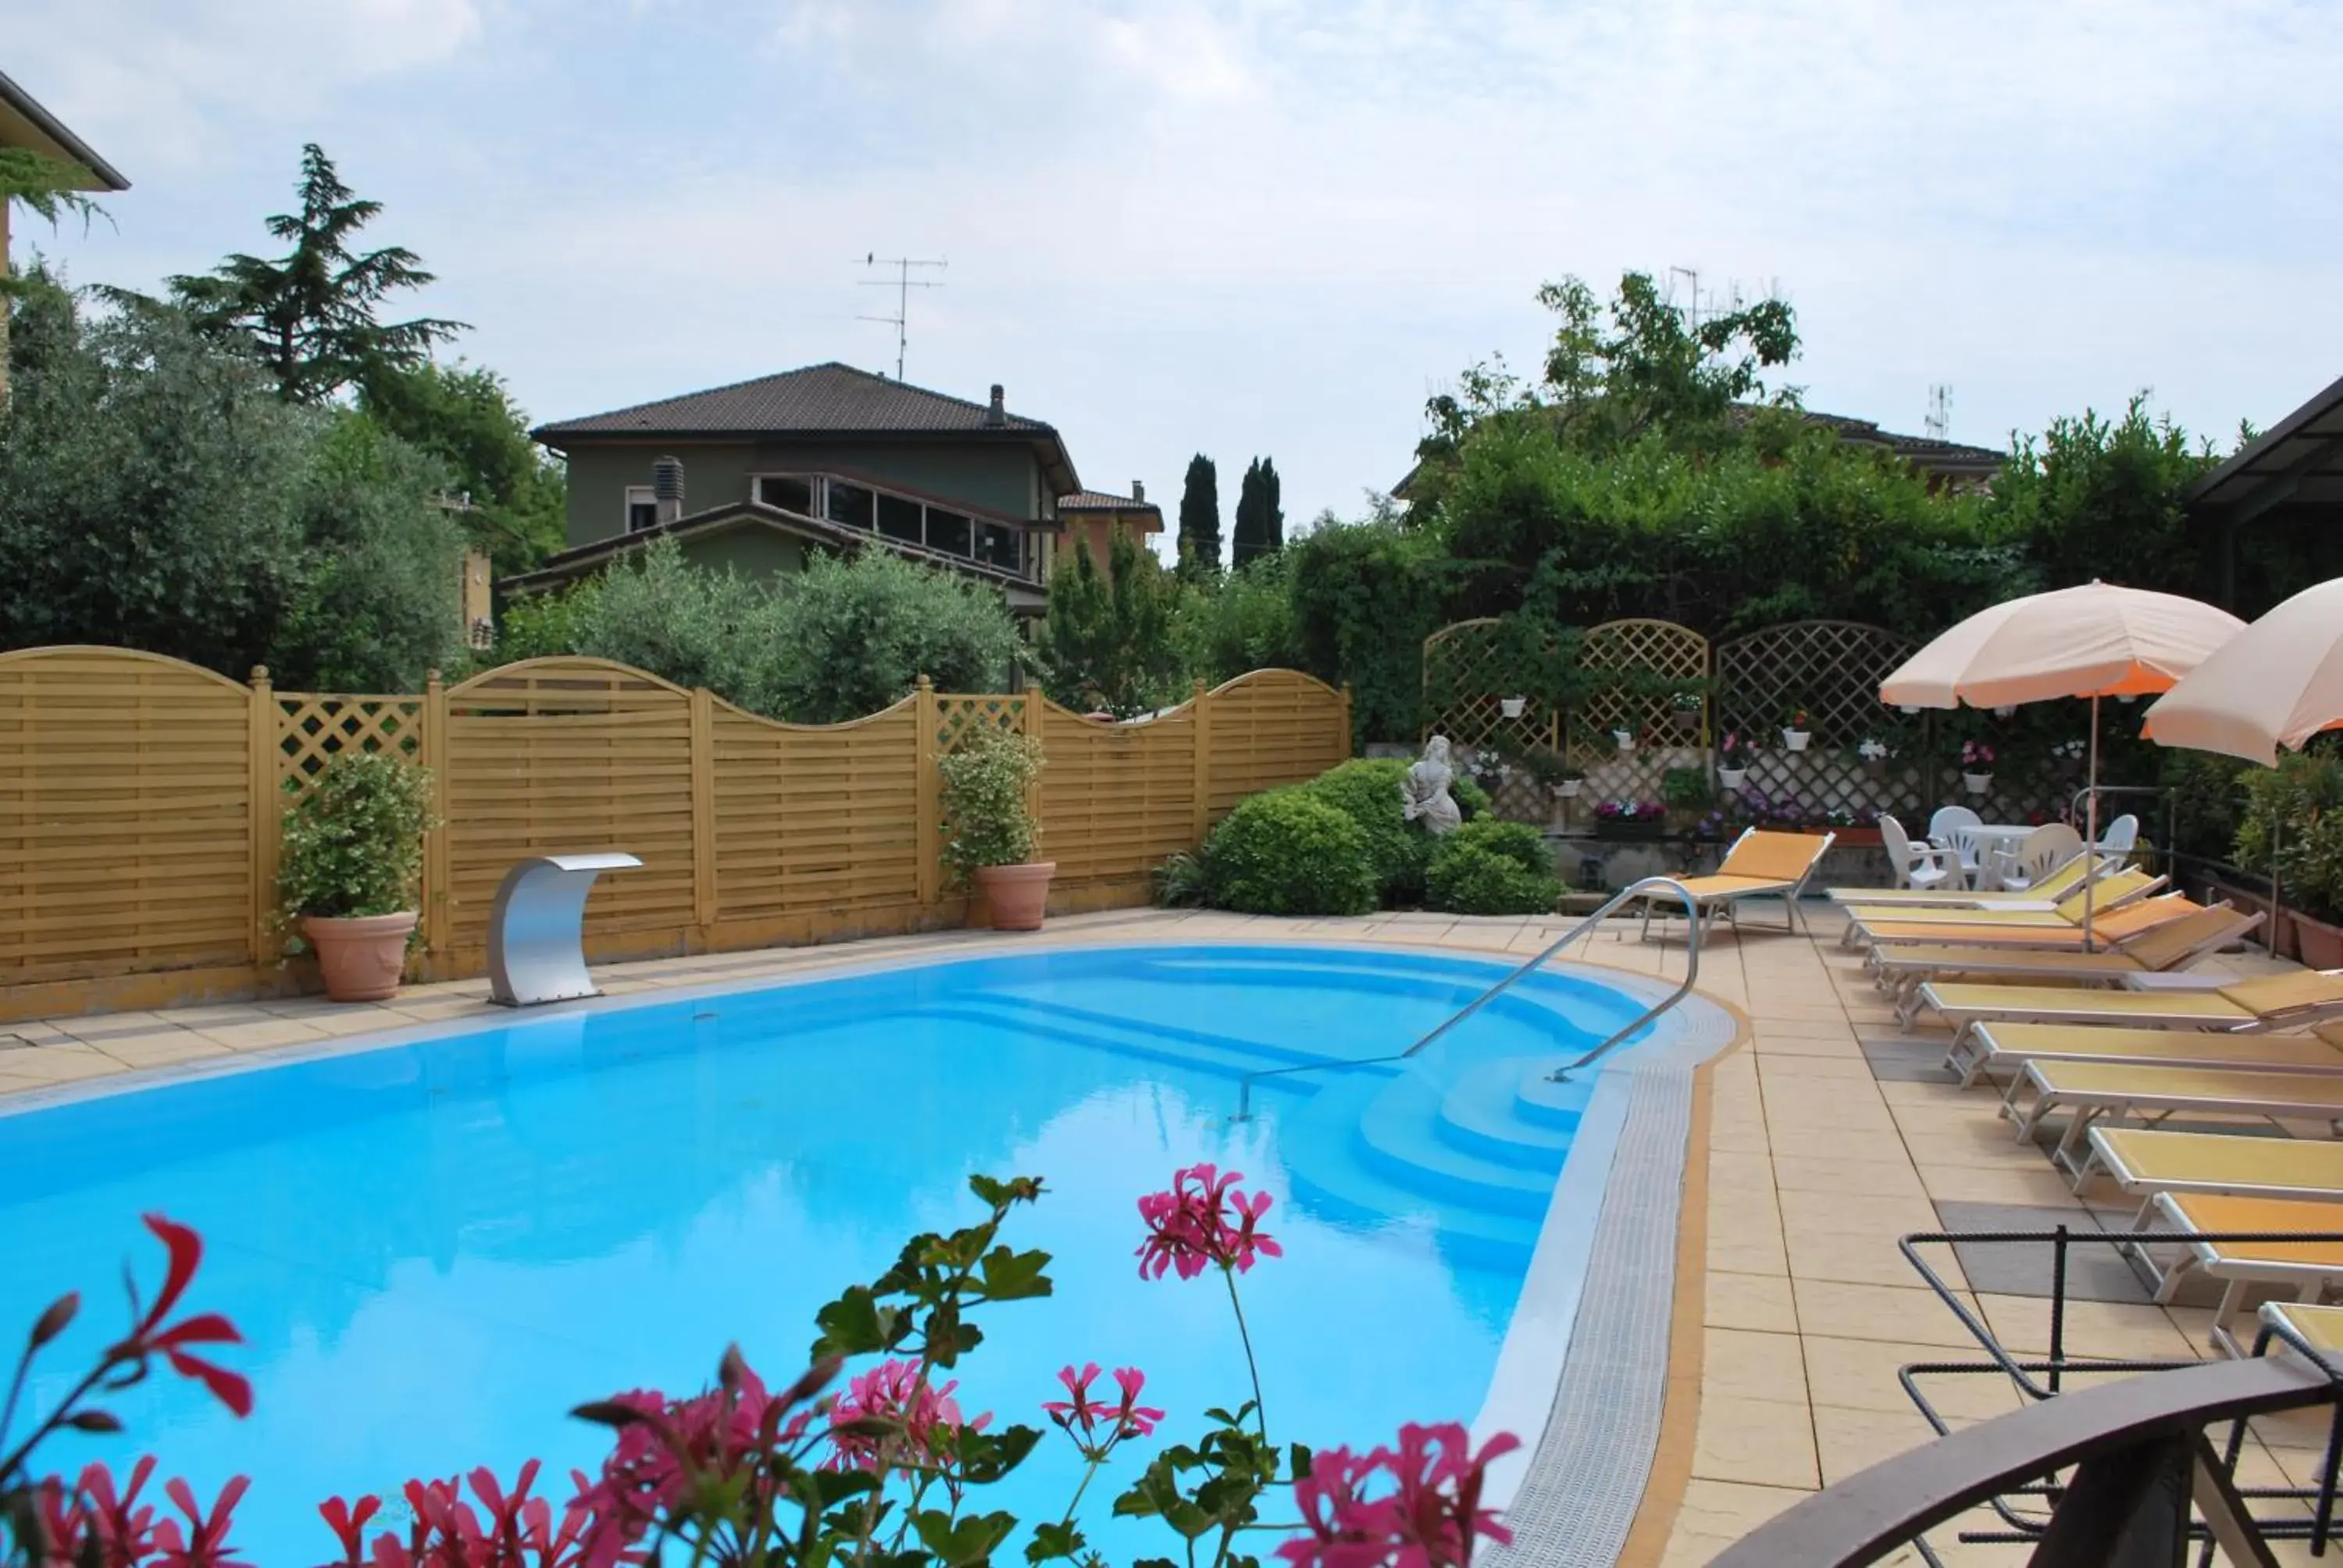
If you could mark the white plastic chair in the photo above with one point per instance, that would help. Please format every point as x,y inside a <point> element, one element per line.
<point>2042,851</point>
<point>2121,836</point>
<point>1915,865</point>
<point>1942,830</point>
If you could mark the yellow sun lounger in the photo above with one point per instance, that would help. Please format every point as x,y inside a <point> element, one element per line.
<point>2108,927</point>
<point>2144,1162</point>
<point>2105,896</point>
<point>2308,1267</point>
<point>2298,999</point>
<point>1984,1049</point>
<point>1759,863</point>
<point>2320,1328</point>
<point>2088,1090</point>
<point>2049,890</point>
<point>2173,945</point>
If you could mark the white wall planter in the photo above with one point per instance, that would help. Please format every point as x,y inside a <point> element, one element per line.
<point>1796,740</point>
<point>1977,783</point>
<point>1625,738</point>
<point>1567,788</point>
<point>1732,777</point>
<point>1511,707</point>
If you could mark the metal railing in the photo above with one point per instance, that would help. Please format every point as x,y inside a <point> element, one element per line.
<point>1646,888</point>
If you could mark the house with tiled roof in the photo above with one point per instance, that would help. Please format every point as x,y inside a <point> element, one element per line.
<point>756,473</point>
<point>1091,518</point>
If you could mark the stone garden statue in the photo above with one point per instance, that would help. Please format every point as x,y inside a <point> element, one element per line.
<point>1424,792</point>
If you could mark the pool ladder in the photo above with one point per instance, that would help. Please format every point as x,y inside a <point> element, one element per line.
<point>1646,887</point>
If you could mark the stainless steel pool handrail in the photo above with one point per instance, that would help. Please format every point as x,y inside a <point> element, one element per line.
<point>1645,887</point>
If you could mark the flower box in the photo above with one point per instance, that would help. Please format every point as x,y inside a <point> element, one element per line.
<point>2319,945</point>
<point>1852,837</point>
<point>1639,829</point>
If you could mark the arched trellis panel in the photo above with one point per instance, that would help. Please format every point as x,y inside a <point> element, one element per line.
<point>1635,669</point>
<point>1465,684</point>
<point>1831,671</point>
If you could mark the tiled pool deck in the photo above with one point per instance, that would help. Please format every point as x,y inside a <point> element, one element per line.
<point>1830,1136</point>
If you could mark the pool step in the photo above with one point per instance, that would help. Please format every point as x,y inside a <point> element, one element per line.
<point>1332,1179</point>
<point>1403,1134</point>
<point>1504,1112</point>
<point>1227,1057</point>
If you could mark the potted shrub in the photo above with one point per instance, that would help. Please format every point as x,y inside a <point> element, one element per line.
<point>350,872</point>
<point>1733,755</point>
<point>987,785</point>
<point>1796,730</point>
<point>1684,711</point>
<point>1976,766</point>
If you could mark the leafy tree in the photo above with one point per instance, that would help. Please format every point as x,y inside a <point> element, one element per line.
<point>2105,498</point>
<point>155,493</point>
<point>1199,521</point>
<point>309,316</point>
<point>1243,622</point>
<point>1108,642</point>
<point>1365,596</point>
<point>1259,518</point>
<point>464,415</point>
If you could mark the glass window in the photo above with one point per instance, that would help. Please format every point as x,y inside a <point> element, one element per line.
<point>953,532</point>
<point>642,508</point>
<point>790,492</point>
<point>850,504</point>
<point>997,545</point>
<point>898,518</point>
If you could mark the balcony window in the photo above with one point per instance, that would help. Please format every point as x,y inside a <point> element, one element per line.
<point>790,492</point>
<point>850,504</point>
<point>953,533</point>
<point>997,546</point>
<point>898,518</point>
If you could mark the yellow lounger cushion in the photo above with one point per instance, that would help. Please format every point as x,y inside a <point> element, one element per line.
<point>1952,958</point>
<point>2053,1002</point>
<point>2115,925</point>
<point>1719,885</point>
<point>2231,1163</point>
<point>2222,1211</point>
<point>2110,890</point>
<point>2049,887</point>
<point>1773,857</point>
<point>2320,1327</point>
<point>2290,992</point>
<point>2209,1088</point>
<point>2085,1042</point>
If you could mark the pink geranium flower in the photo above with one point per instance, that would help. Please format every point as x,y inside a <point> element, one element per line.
<point>1203,1220</point>
<point>150,1336</point>
<point>1095,1425</point>
<point>1429,1516</point>
<point>892,1392</point>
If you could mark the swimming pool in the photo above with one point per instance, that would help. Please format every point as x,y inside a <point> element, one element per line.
<point>436,1248</point>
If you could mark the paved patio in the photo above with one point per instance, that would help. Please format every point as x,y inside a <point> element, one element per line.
<point>1830,1136</point>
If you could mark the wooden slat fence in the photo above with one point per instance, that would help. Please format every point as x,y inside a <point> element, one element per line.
<point>141,798</point>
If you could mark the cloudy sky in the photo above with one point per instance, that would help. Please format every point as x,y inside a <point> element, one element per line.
<point>1248,226</point>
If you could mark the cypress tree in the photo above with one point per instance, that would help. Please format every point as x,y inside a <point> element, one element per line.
<point>1199,521</point>
<point>1259,523</point>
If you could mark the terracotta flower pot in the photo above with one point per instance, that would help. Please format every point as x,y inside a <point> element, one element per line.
<point>1017,896</point>
<point>361,958</point>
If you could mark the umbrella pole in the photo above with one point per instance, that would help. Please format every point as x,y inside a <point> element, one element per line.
<point>2278,825</point>
<point>2091,832</point>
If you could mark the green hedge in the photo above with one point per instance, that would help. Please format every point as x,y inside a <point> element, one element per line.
<point>1491,867</point>
<point>1286,852</point>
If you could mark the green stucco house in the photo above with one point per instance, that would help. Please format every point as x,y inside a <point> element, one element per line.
<point>756,473</point>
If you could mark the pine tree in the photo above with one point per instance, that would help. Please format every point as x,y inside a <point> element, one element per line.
<point>1199,521</point>
<point>1260,522</point>
<point>309,316</point>
<point>1107,642</point>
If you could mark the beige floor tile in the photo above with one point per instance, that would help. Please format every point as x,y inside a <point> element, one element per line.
<point>1856,1212</point>
<point>1847,1441</point>
<point>1776,1068</point>
<point>1861,1374</point>
<point>1748,1251</point>
<point>1823,1172</point>
<point>1900,1315</point>
<point>53,1064</point>
<point>1765,1442</point>
<point>1742,1363</point>
<point>1861,1258</point>
<point>163,1049</point>
<point>2039,1188</point>
<point>2114,1329</point>
<point>1761,1301</point>
<point>264,1036</point>
<point>1739,1171</point>
<point>1717,1513</point>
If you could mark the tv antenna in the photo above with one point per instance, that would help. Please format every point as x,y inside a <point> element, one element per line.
<point>1939,424</point>
<point>902,284</point>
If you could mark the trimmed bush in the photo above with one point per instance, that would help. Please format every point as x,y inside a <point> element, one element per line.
<point>1473,802</point>
<point>1285,852</point>
<point>1368,791</point>
<point>1491,867</point>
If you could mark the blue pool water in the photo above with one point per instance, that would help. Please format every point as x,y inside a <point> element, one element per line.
<point>436,1249</point>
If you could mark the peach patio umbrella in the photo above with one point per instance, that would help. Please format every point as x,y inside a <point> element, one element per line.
<point>2096,640</point>
<point>2276,684</point>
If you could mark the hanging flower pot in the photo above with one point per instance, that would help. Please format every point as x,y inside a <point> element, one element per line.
<point>1625,738</point>
<point>1685,719</point>
<point>1977,783</point>
<point>1512,706</point>
<point>1567,788</point>
<point>1796,740</point>
<point>1732,777</point>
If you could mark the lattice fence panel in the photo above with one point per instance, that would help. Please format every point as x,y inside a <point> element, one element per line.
<point>1831,670</point>
<point>1634,664</point>
<point>955,716</point>
<point>1464,696</point>
<point>314,728</point>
